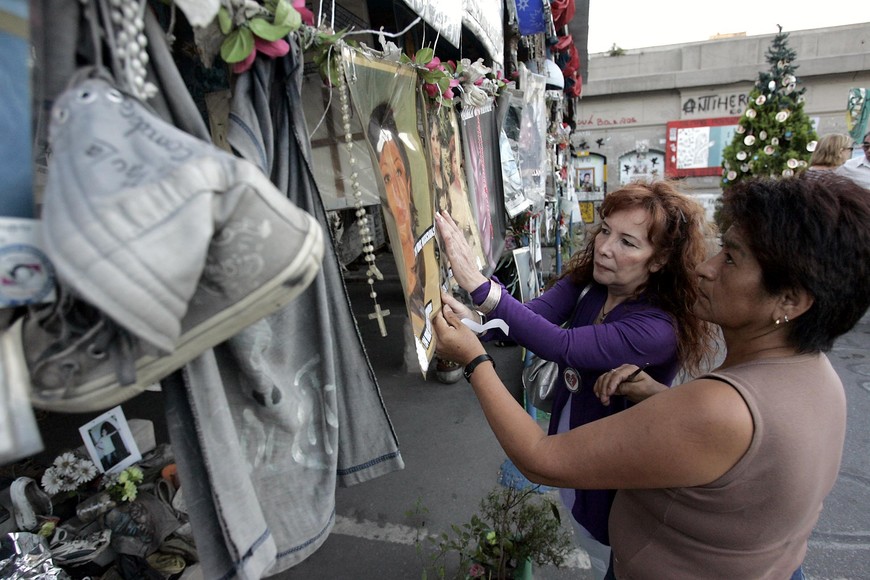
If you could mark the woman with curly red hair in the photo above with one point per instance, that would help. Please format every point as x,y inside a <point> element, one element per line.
<point>639,269</point>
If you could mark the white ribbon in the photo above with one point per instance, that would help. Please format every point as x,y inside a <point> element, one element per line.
<point>490,324</point>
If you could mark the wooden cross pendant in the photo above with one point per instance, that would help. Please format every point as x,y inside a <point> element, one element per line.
<point>380,314</point>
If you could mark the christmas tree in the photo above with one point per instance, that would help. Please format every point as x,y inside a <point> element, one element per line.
<point>775,137</point>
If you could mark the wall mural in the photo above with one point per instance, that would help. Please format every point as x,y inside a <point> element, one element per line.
<point>642,163</point>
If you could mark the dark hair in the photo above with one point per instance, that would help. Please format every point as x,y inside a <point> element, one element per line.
<point>812,234</point>
<point>679,233</point>
<point>382,119</point>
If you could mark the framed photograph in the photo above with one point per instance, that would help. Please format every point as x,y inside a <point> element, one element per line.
<point>527,274</point>
<point>110,442</point>
<point>385,98</point>
<point>584,179</point>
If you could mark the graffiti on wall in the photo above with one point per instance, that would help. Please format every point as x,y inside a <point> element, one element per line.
<point>711,105</point>
<point>597,121</point>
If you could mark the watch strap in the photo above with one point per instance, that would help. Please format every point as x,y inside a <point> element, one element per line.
<point>469,368</point>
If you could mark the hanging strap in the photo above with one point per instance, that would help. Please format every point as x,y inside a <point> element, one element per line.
<point>567,323</point>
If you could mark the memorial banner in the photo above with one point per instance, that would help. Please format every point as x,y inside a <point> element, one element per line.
<point>448,179</point>
<point>480,143</point>
<point>384,95</point>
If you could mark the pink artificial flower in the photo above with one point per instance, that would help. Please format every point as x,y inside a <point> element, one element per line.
<point>307,15</point>
<point>431,89</point>
<point>434,63</point>
<point>476,570</point>
<point>448,94</point>
<point>271,49</point>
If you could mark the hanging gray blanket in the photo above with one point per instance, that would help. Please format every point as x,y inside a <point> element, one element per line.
<point>289,408</point>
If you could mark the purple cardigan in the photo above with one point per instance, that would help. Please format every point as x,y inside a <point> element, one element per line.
<point>634,332</point>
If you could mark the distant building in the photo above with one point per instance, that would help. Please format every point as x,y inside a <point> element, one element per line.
<point>629,101</point>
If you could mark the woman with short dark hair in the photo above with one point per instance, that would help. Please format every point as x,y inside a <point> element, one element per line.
<point>724,476</point>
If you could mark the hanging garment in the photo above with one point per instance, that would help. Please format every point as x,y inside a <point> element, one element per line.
<point>267,425</point>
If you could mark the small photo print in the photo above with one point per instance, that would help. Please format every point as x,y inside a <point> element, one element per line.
<point>110,442</point>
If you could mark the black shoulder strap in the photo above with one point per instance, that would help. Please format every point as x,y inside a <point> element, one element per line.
<point>577,305</point>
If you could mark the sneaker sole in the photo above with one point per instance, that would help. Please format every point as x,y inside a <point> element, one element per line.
<point>105,392</point>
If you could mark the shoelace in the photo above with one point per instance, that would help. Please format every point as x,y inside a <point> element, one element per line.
<point>72,320</point>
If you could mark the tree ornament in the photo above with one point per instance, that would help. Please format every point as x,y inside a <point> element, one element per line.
<point>749,140</point>
<point>741,155</point>
<point>732,175</point>
<point>811,146</point>
<point>774,141</point>
<point>762,135</point>
<point>792,163</point>
<point>750,113</point>
<point>788,80</point>
<point>740,129</point>
<point>744,168</point>
<point>772,86</point>
<point>782,116</point>
<point>787,173</point>
<point>769,150</point>
<point>760,100</point>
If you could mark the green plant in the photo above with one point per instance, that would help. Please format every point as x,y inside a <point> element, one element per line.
<point>513,527</point>
<point>123,486</point>
<point>774,137</point>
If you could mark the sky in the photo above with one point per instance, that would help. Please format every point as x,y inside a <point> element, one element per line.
<point>643,24</point>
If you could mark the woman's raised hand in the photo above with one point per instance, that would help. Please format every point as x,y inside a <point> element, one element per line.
<point>459,253</point>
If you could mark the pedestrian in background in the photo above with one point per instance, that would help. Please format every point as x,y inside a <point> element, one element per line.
<point>832,151</point>
<point>858,168</point>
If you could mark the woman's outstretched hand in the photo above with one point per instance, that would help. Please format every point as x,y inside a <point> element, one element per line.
<point>455,341</point>
<point>458,308</point>
<point>627,380</point>
<point>459,253</point>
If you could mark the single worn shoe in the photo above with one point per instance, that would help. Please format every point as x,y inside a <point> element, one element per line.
<point>28,503</point>
<point>81,550</point>
<point>164,245</point>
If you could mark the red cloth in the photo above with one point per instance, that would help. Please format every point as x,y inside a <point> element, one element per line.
<point>563,12</point>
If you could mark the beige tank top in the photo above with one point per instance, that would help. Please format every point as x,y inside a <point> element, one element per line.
<point>754,521</point>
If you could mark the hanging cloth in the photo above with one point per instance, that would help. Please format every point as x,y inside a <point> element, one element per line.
<point>290,407</point>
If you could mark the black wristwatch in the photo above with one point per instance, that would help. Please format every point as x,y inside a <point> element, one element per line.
<point>469,368</point>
